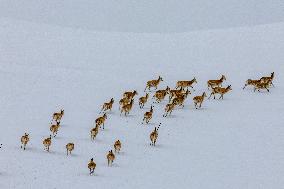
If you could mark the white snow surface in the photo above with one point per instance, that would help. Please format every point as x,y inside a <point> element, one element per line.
<point>146,15</point>
<point>234,143</point>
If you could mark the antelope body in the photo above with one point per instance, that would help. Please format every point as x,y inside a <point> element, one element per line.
<point>268,79</point>
<point>221,91</point>
<point>169,108</point>
<point>117,146</point>
<point>159,96</point>
<point>154,136</point>
<point>110,158</point>
<point>130,95</point>
<point>92,166</point>
<point>260,85</point>
<point>143,100</point>
<point>24,140</point>
<point>94,132</point>
<point>54,129</point>
<point>123,102</point>
<point>69,148</point>
<point>58,115</point>
<point>47,142</point>
<point>148,116</point>
<point>126,108</point>
<point>216,83</point>
<point>153,83</point>
<point>174,92</point>
<point>199,100</point>
<point>185,84</point>
<point>107,105</point>
<point>101,121</point>
<point>251,82</point>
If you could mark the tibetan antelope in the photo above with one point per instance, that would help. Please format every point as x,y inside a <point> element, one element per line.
<point>94,132</point>
<point>101,121</point>
<point>123,102</point>
<point>54,128</point>
<point>153,83</point>
<point>110,157</point>
<point>47,142</point>
<point>143,100</point>
<point>268,79</point>
<point>198,100</point>
<point>179,100</point>
<point>126,108</point>
<point>130,95</point>
<point>185,84</point>
<point>174,92</point>
<point>160,95</point>
<point>251,82</point>
<point>260,85</point>
<point>24,140</point>
<point>164,91</point>
<point>117,146</point>
<point>169,108</point>
<point>92,166</point>
<point>148,116</point>
<point>216,83</point>
<point>220,90</point>
<point>154,136</point>
<point>107,106</point>
<point>69,148</point>
<point>57,116</point>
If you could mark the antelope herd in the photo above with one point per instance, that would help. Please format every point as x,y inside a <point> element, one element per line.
<point>176,97</point>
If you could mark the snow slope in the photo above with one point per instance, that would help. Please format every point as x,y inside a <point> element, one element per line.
<point>232,143</point>
<point>146,16</point>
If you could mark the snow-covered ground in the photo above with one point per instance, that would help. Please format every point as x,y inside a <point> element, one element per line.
<point>232,143</point>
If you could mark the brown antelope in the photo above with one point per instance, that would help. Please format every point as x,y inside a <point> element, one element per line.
<point>126,108</point>
<point>179,100</point>
<point>94,132</point>
<point>123,102</point>
<point>174,92</point>
<point>92,166</point>
<point>110,158</point>
<point>268,79</point>
<point>199,99</point>
<point>251,82</point>
<point>107,106</point>
<point>143,100</point>
<point>260,85</point>
<point>216,83</point>
<point>54,128</point>
<point>185,84</point>
<point>24,140</point>
<point>182,94</point>
<point>148,116</point>
<point>69,148</point>
<point>169,108</point>
<point>101,121</point>
<point>164,91</point>
<point>58,115</point>
<point>153,83</point>
<point>220,90</point>
<point>159,96</point>
<point>117,146</point>
<point>154,136</point>
<point>130,95</point>
<point>47,142</point>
